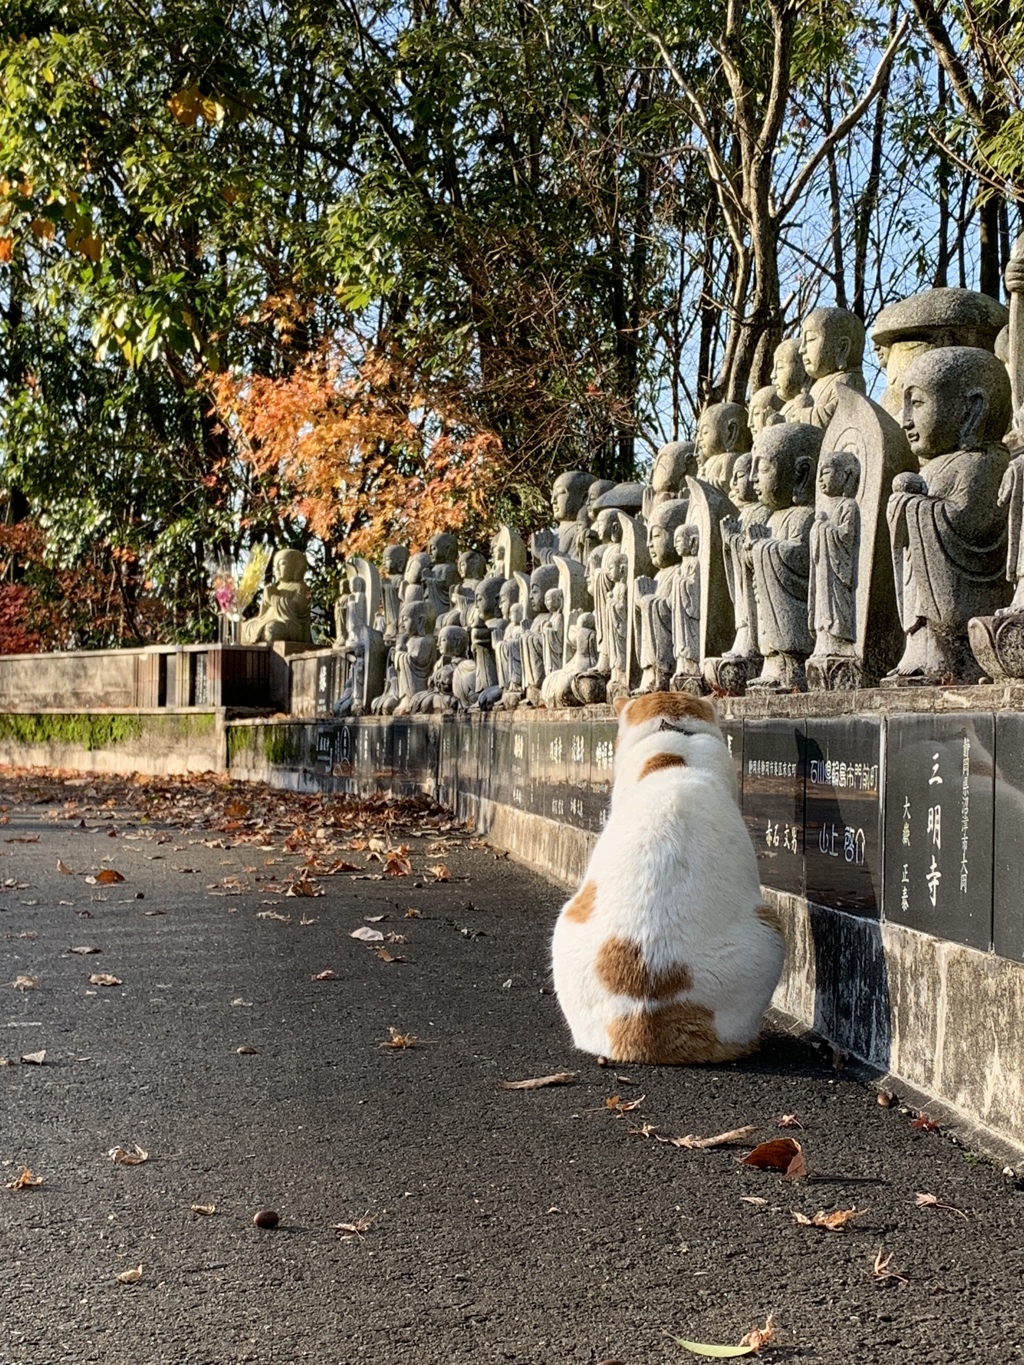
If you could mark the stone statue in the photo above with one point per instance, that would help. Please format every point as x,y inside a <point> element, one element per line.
<point>673,463</point>
<point>542,580</point>
<point>512,656</point>
<point>396,557</point>
<point>738,573</point>
<point>508,552</point>
<point>791,382</point>
<point>722,436</point>
<point>948,530</point>
<point>418,586</point>
<point>653,598</point>
<point>441,694</point>
<point>617,565</point>
<point>561,688</point>
<point>832,349</point>
<point>443,550</point>
<point>587,538</point>
<point>553,631</point>
<point>835,537</point>
<point>363,649</point>
<point>507,598</point>
<point>568,497</point>
<point>924,322</point>
<point>284,612</point>
<point>414,655</point>
<point>486,627</point>
<point>471,566</point>
<point>686,611</point>
<point>599,581</point>
<point>765,409</point>
<point>784,462</point>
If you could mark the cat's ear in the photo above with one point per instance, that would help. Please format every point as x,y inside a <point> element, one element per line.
<point>619,703</point>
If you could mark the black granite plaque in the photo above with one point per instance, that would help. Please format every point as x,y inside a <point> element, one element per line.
<point>773,800</point>
<point>557,736</point>
<point>1008,897</point>
<point>602,765</point>
<point>324,684</point>
<point>448,763</point>
<point>939,825</point>
<point>520,794</point>
<point>200,689</point>
<point>842,814</point>
<point>577,770</point>
<point>499,747</point>
<point>537,767</point>
<point>323,749</point>
<point>469,759</point>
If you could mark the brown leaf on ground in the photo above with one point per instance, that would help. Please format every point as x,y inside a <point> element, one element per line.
<point>397,866</point>
<point>63,867</point>
<point>367,935</point>
<point>694,1143</point>
<point>539,1082</point>
<point>303,886</point>
<point>133,1156</point>
<point>34,1058</point>
<point>401,1040</point>
<point>832,1221</point>
<point>326,975</point>
<point>780,1154</point>
<point>374,919</point>
<point>132,1276</point>
<point>385,956</point>
<point>752,1199</point>
<point>923,1124</point>
<point>205,1210</point>
<point>395,938</point>
<point>882,1271</point>
<point>359,1228</point>
<point>237,810</point>
<point>104,979</point>
<point>932,1201</point>
<point>24,1180</point>
<point>412,913</point>
<point>760,1337</point>
<point>790,1121</point>
<point>25,983</point>
<point>617,1105</point>
<point>440,872</point>
<point>106,877</point>
<point>85,949</point>
<point>644,1131</point>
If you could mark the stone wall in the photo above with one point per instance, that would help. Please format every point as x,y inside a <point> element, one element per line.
<point>115,742</point>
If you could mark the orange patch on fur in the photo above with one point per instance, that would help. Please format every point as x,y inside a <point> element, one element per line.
<point>621,969</point>
<point>671,1035</point>
<point>767,915</point>
<point>658,761</point>
<point>581,907</point>
<point>675,704</point>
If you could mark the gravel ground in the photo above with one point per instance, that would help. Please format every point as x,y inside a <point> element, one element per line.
<point>483,1224</point>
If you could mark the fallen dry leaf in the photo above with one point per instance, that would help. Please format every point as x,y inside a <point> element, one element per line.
<point>24,1180</point>
<point>125,1157</point>
<point>694,1143</point>
<point>752,1199</point>
<point>617,1105</point>
<point>932,1201</point>
<point>401,1040</point>
<point>923,1124</point>
<point>397,866</point>
<point>440,873</point>
<point>759,1337</point>
<point>832,1221</point>
<point>790,1121</point>
<point>104,979</point>
<point>538,1082</point>
<point>245,1051</point>
<point>780,1154</point>
<point>412,913</point>
<point>302,886</point>
<point>86,948</point>
<point>645,1130</point>
<point>882,1270</point>
<point>33,1058</point>
<point>206,1210</point>
<point>25,983</point>
<point>325,975</point>
<point>367,935</point>
<point>132,1276</point>
<point>359,1228</point>
<point>237,810</point>
<point>374,919</point>
<point>106,877</point>
<point>63,867</point>
<point>385,956</point>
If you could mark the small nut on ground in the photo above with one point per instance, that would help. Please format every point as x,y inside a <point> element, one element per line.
<point>266,1218</point>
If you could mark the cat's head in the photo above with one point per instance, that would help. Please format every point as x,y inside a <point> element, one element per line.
<point>673,711</point>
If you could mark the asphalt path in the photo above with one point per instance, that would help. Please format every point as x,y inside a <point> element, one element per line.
<point>426,1214</point>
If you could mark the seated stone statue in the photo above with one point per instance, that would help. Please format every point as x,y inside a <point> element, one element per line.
<point>443,550</point>
<point>568,497</point>
<point>791,382</point>
<point>414,655</point>
<point>512,657</point>
<point>553,631</point>
<point>832,349</point>
<point>560,688</point>
<point>418,586</point>
<point>284,612</point>
<point>764,409</point>
<point>441,695</point>
<point>478,686</point>
<point>471,566</point>
<point>673,462</point>
<point>835,538</point>
<point>396,557</point>
<point>738,573</point>
<point>784,464</point>
<point>722,436</point>
<point>686,610</point>
<point>947,528</point>
<point>654,596</point>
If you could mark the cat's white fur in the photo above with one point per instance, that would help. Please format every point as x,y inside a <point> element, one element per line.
<point>672,880</point>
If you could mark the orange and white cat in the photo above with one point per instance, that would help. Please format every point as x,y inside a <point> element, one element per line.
<point>667,952</point>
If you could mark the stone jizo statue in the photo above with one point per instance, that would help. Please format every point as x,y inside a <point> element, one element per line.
<point>832,349</point>
<point>654,598</point>
<point>396,557</point>
<point>764,409</point>
<point>568,498</point>
<point>738,572</point>
<point>791,382</point>
<point>722,435</point>
<point>414,655</point>
<point>835,536</point>
<point>673,462</point>
<point>284,612</point>
<point>948,530</point>
<point>686,610</point>
<point>784,465</point>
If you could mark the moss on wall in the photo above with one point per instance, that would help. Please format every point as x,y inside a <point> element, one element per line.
<point>90,731</point>
<point>282,744</point>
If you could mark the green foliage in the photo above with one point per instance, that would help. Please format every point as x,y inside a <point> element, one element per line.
<point>85,731</point>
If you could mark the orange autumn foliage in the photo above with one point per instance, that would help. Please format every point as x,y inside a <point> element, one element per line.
<point>363,454</point>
